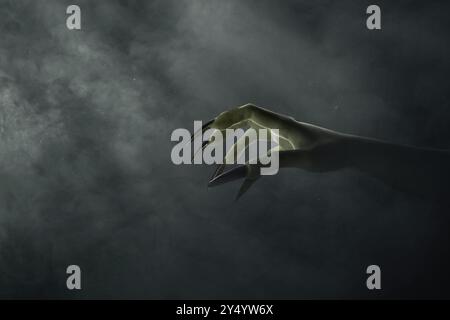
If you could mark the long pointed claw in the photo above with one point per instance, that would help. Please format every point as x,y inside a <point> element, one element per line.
<point>230,175</point>
<point>244,187</point>
<point>218,171</point>
<point>204,127</point>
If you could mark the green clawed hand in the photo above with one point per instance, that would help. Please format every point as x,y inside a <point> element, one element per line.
<point>299,143</point>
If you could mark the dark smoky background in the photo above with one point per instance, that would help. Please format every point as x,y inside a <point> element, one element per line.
<point>86,176</point>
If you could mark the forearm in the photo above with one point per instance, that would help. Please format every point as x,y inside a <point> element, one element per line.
<point>421,171</point>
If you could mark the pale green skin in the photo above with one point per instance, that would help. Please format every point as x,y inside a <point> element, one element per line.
<point>422,171</point>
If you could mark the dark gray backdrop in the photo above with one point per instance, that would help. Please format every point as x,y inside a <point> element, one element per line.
<point>85,170</point>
